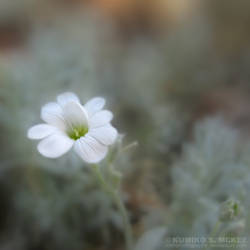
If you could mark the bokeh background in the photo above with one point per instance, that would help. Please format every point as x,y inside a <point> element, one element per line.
<point>176,74</point>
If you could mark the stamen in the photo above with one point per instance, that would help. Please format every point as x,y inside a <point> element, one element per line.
<point>78,132</point>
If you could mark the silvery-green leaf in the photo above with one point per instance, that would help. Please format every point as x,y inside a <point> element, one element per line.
<point>151,239</point>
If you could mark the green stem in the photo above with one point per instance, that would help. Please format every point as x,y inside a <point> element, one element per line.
<point>119,203</point>
<point>126,223</point>
<point>214,231</point>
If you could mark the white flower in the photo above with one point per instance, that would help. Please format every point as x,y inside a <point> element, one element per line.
<point>69,124</point>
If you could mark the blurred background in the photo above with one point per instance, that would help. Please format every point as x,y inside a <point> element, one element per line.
<point>176,75</point>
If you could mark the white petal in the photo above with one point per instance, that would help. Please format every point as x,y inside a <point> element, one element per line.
<point>100,118</point>
<point>75,114</point>
<point>94,105</point>
<point>106,134</point>
<point>55,145</point>
<point>40,131</point>
<point>90,150</point>
<point>67,97</point>
<point>52,113</point>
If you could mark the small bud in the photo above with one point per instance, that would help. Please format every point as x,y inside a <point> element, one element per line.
<point>230,210</point>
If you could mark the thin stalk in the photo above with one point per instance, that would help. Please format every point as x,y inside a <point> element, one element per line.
<point>214,231</point>
<point>119,203</point>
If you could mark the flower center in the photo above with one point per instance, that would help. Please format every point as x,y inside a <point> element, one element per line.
<point>78,132</point>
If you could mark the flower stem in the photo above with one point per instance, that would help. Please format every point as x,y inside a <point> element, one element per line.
<point>126,223</point>
<point>119,203</point>
<point>214,232</point>
<point>215,229</point>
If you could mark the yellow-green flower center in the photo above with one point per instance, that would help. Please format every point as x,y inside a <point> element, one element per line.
<point>78,132</point>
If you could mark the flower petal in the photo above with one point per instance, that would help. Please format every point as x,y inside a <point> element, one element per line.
<point>52,113</point>
<point>100,118</point>
<point>40,131</point>
<point>94,105</point>
<point>106,134</point>
<point>90,150</point>
<point>75,114</point>
<point>67,97</point>
<point>55,145</point>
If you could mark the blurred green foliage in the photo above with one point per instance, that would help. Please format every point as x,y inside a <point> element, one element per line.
<point>170,91</point>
